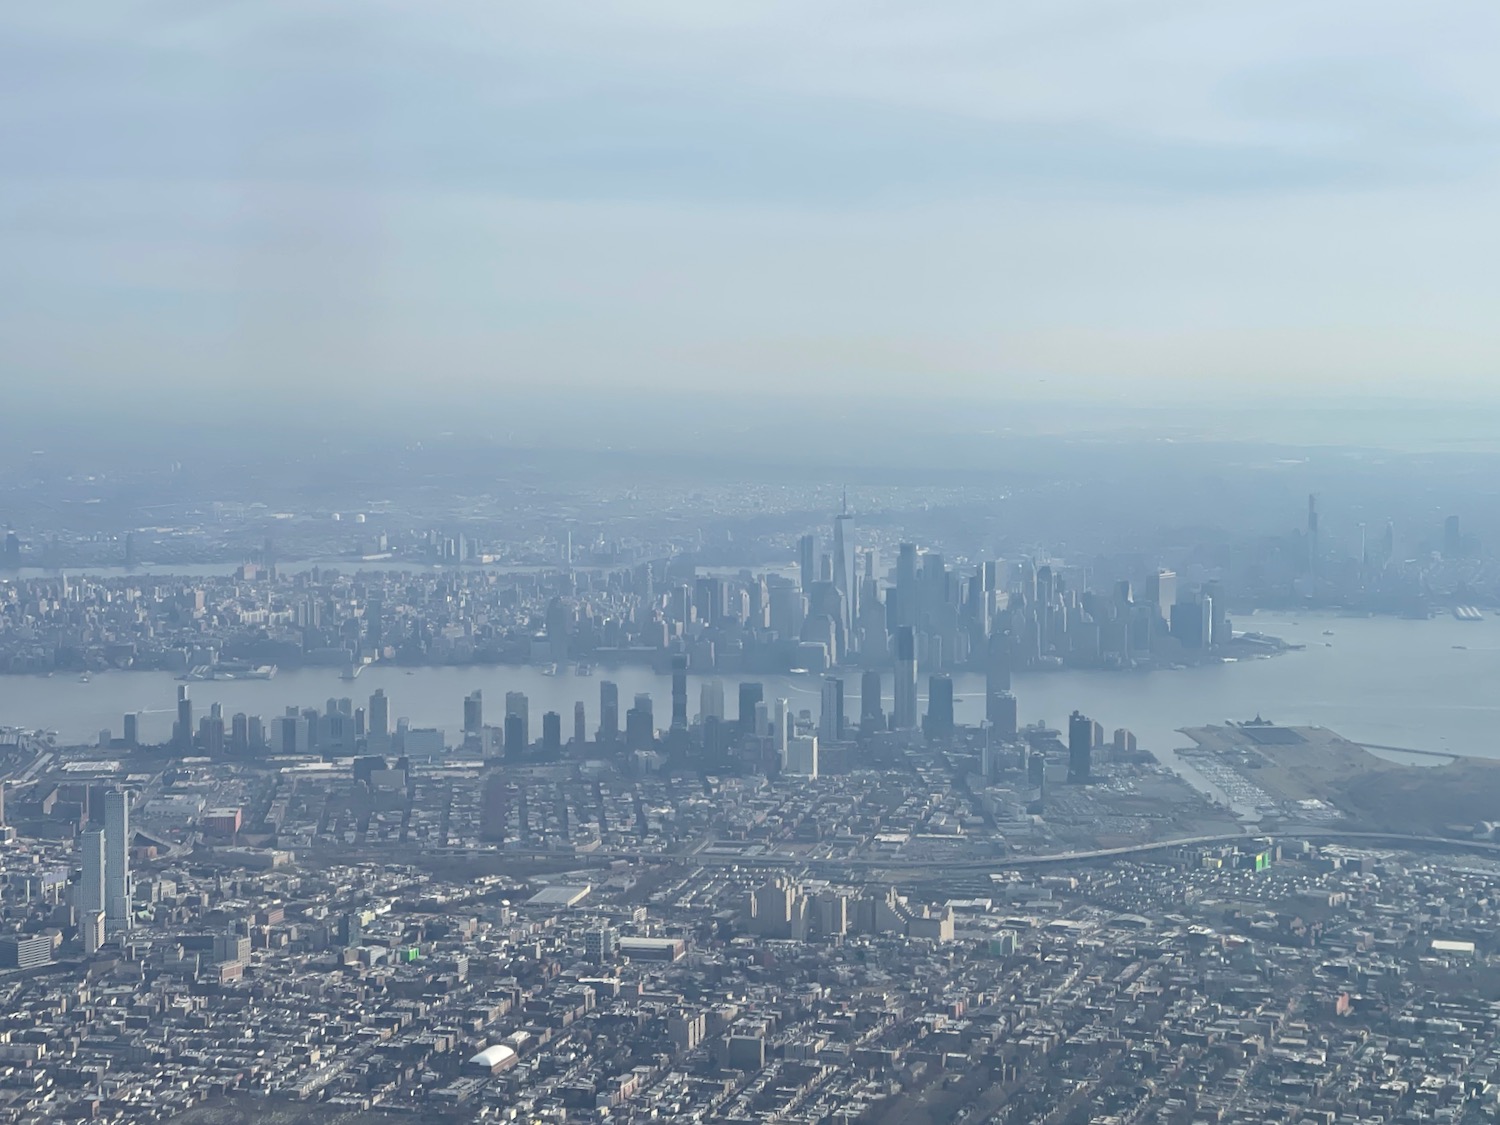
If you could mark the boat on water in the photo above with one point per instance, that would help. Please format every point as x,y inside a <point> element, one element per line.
<point>584,670</point>
<point>550,670</point>
<point>1328,632</point>
<point>1464,647</point>
<point>84,678</point>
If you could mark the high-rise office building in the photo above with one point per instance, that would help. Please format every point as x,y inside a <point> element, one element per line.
<point>871,710</point>
<point>211,735</point>
<point>580,724</point>
<point>551,732</point>
<point>751,693</point>
<point>182,731</point>
<point>516,742</point>
<point>831,717</point>
<point>378,721</point>
<point>132,730</point>
<point>640,725</point>
<point>997,663</point>
<point>90,898</point>
<point>904,703</point>
<point>679,691</point>
<point>517,705</point>
<point>802,756</point>
<point>609,711</point>
<point>788,608</point>
<point>807,561</point>
<point>473,714</point>
<point>939,722</point>
<point>906,585</point>
<point>117,889</point>
<point>711,700</point>
<point>1161,591</point>
<point>1000,711</point>
<point>1080,747</point>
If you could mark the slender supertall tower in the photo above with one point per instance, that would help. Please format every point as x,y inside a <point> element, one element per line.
<point>841,558</point>
<point>117,889</point>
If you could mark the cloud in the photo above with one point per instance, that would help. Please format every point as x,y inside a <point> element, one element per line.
<point>1164,193</point>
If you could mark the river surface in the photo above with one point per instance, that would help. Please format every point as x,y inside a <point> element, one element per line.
<point>1376,679</point>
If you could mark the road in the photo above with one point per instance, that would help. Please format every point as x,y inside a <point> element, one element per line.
<point>1004,863</point>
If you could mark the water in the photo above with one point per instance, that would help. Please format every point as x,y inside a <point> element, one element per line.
<point>1384,680</point>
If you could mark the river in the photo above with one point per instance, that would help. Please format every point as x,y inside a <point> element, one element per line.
<point>1376,679</point>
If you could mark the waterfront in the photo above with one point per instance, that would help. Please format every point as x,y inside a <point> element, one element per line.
<point>1381,680</point>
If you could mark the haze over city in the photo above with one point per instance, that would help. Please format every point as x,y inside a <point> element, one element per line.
<point>840,564</point>
<point>1038,200</point>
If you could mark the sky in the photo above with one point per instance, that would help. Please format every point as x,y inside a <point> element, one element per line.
<point>460,200</point>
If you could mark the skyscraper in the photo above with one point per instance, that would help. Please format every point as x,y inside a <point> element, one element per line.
<point>751,693</point>
<point>781,729</point>
<point>871,711</point>
<point>473,714</point>
<point>1161,591</point>
<point>904,705</point>
<point>91,882</point>
<point>515,738</point>
<point>90,900</point>
<point>841,581</point>
<point>182,732</point>
<point>609,711</point>
<point>807,561</point>
<point>802,756</point>
<point>939,723</point>
<point>831,717</point>
<point>996,669</point>
<point>711,700</point>
<point>378,721</point>
<point>551,732</point>
<point>679,691</point>
<point>117,889</point>
<point>580,724</point>
<point>906,585</point>
<point>517,706</point>
<point>1000,710</point>
<point>1080,747</point>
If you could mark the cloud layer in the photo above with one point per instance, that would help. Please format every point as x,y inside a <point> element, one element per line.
<point>1147,198</point>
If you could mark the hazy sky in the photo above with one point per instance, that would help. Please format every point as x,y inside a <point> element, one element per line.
<point>977,199</point>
